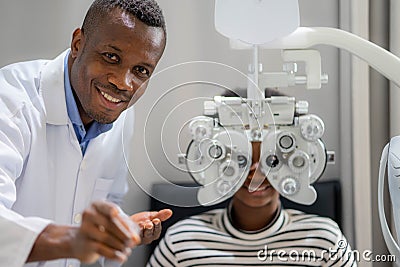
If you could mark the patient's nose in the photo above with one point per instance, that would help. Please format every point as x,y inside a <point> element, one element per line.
<point>254,166</point>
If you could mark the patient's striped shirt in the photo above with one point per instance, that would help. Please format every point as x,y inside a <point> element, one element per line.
<point>293,239</point>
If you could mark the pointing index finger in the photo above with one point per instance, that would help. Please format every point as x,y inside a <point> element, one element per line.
<point>151,215</point>
<point>163,215</point>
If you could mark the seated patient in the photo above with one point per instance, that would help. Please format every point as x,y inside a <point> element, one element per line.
<point>254,230</point>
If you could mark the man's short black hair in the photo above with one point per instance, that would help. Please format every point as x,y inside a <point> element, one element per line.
<point>147,11</point>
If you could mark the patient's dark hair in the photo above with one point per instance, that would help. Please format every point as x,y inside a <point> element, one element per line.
<point>147,11</point>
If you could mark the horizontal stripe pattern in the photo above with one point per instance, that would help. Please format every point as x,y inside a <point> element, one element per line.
<point>294,239</point>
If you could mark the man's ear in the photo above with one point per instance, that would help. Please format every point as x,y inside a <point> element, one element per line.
<point>77,42</point>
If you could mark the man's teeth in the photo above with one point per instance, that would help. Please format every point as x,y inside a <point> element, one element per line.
<point>110,98</point>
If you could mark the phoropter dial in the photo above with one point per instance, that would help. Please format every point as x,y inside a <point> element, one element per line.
<point>311,127</point>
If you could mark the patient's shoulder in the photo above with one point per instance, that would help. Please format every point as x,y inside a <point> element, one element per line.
<point>202,220</point>
<point>313,222</point>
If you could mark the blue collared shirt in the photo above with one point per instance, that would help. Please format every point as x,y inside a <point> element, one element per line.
<point>95,129</point>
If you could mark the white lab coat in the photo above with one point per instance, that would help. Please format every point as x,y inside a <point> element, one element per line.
<point>43,176</point>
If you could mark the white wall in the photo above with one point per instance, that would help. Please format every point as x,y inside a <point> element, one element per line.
<point>37,29</point>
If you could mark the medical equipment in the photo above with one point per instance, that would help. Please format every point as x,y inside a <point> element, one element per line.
<point>390,158</point>
<point>292,153</point>
<point>219,156</point>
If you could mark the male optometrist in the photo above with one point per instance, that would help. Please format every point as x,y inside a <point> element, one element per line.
<point>62,168</point>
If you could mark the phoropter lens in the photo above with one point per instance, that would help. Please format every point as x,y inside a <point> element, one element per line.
<point>299,162</point>
<point>286,142</point>
<point>242,161</point>
<point>215,151</point>
<point>229,171</point>
<point>272,161</point>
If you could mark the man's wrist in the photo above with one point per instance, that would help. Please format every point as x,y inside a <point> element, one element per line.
<point>54,242</point>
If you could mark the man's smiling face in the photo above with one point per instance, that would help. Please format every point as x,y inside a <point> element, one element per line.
<point>111,65</point>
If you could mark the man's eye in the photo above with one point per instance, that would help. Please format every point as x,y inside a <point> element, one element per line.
<point>111,57</point>
<point>142,71</point>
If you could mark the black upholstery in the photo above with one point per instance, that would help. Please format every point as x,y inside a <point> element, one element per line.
<point>328,203</point>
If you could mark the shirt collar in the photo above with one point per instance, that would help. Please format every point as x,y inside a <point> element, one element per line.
<point>274,226</point>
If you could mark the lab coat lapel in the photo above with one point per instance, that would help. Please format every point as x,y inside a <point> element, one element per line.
<point>52,88</point>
